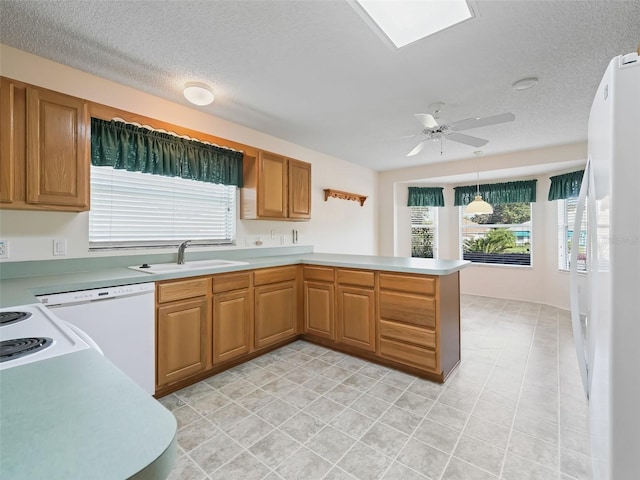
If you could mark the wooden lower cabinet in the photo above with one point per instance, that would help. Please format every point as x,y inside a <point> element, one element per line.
<point>275,313</point>
<point>231,325</point>
<point>419,321</point>
<point>181,340</point>
<point>207,323</point>
<point>356,317</point>
<point>319,318</point>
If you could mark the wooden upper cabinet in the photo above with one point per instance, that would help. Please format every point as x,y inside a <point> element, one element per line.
<point>8,125</point>
<point>272,185</point>
<point>58,139</point>
<point>299,189</point>
<point>45,149</point>
<point>275,188</point>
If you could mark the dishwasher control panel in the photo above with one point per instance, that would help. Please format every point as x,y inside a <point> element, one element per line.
<point>96,294</point>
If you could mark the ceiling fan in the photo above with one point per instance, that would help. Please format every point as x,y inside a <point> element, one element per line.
<point>432,130</point>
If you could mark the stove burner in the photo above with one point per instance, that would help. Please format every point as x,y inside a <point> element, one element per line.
<point>7,318</point>
<point>19,347</point>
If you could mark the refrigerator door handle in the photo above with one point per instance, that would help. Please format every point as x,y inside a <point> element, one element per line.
<point>576,322</point>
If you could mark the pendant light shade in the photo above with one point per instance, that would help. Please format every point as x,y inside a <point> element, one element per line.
<point>198,93</point>
<point>478,206</point>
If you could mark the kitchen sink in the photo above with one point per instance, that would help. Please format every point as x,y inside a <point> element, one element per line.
<point>187,266</point>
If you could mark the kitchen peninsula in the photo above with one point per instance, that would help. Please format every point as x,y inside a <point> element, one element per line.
<point>401,312</point>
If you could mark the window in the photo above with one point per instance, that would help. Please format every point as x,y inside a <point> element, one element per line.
<point>424,232</point>
<point>133,209</point>
<point>504,237</point>
<point>566,218</point>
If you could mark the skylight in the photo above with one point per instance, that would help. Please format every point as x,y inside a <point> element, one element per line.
<point>405,21</point>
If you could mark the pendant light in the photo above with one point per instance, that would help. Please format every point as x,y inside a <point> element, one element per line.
<point>478,206</point>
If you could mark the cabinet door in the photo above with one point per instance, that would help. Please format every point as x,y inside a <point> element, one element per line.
<point>272,186</point>
<point>8,126</point>
<point>356,317</point>
<point>318,309</point>
<point>231,322</point>
<point>299,189</point>
<point>58,135</point>
<point>181,340</point>
<point>274,313</point>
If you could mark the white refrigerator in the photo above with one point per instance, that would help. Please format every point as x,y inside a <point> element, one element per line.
<point>605,304</point>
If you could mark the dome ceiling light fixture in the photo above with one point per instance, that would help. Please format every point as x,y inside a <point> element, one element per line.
<point>525,83</point>
<point>478,206</point>
<point>198,93</point>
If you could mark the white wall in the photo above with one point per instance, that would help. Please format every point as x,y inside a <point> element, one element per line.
<point>336,226</point>
<point>542,282</point>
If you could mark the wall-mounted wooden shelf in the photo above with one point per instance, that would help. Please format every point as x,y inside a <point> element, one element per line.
<point>328,192</point>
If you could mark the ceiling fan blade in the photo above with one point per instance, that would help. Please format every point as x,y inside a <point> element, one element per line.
<point>426,120</point>
<point>467,139</point>
<point>482,122</point>
<point>417,149</point>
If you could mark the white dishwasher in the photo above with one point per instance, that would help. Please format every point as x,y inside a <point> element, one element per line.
<point>121,320</point>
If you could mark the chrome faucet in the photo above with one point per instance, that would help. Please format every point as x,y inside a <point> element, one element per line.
<point>181,249</point>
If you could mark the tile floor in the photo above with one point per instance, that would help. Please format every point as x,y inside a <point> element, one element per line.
<point>513,410</point>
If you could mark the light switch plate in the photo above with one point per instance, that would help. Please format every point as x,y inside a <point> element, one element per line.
<point>59,248</point>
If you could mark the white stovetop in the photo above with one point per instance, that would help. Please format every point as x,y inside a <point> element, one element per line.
<point>41,323</point>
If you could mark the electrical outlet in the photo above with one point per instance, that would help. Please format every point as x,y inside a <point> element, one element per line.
<point>281,239</point>
<point>4,248</point>
<point>273,234</point>
<point>59,247</point>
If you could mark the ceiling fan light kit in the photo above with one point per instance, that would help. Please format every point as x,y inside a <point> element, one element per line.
<point>432,130</point>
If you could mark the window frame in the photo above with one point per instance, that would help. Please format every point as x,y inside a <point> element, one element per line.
<point>461,239</point>
<point>564,251</point>
<point>433,214</point>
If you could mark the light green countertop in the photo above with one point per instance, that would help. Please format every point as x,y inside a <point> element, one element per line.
<point>77,416</point>
<point>21,290</point>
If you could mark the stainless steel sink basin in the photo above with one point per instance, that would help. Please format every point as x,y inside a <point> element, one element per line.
<point>187,266</point>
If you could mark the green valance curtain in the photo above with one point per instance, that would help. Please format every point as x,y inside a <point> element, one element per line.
<point>425,197</point>
<point>496,193</point>
<point>129,147</point>
<point>565,186</point>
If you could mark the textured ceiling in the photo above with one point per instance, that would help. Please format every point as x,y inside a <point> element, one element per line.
<point>314,73</point>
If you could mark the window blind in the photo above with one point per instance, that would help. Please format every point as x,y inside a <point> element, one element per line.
<point>424,232</point>
<point>130,209</point>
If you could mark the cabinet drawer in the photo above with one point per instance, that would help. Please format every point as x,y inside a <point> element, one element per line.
<point>408,308</point>
<point>408,354</point>
<point>353,277</point>
<point>408,283</point>
<point>274,275</point>
<point>407,333</point>
<point>229,282</point>
<point>170,291</point>
<point>320,274</point>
